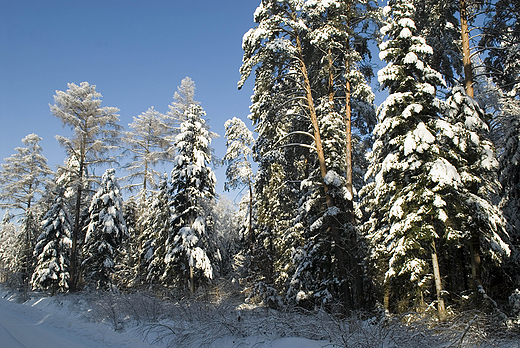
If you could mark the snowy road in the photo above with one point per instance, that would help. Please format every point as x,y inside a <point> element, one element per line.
<point>27,326</point>
<point>21,332</point>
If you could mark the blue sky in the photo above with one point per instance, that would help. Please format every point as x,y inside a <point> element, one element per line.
<point>135,52</point>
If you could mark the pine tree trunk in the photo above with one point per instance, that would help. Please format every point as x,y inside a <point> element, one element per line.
<point>386,297</point>
<point>192,285</point>
<point>438,284</point>
<point>474,247</point>
<point>73,258</point>
<point>468,80</point>
<point>466,59</point>
<point>74,269</point>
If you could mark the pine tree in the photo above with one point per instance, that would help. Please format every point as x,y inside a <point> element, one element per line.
<point>403,205</point>
<point>95,133</point>
<point>22,180</point>
<point>53,250</point>
<point>189,251</point>
<point>148,143</point>
<point>308,84</point>
<point>509,170</point>
<point>238,156</point>
<point>9,248</point>
<point>501,39</point>
<point>474,222</point>
<point>182,100</point>
<point>156,227</point>
<point>105,232</point>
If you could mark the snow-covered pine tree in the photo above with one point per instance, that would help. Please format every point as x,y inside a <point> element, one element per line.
<point>9,249</point>
<point>238,157</point>
<point>127,260</point>
<point>182,100</point>
<point>439,24</point>
<point>509,165</point>
<point>404,209</point>
<point>472,222</point>
<point>95,133</point>
<point>105,232</point>
<point>53,250</point>
<point>148,144</point>
<point>156,227</point>
<point>303,58</point>
<point>335,47</point>
<point>501,39</point>
<point>189,252</point>
<point>277,111</point>
<point>22,180</point>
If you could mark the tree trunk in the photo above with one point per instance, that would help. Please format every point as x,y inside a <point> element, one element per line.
<point>74,269</point>
<point>466,59</point>
<point>474,249</point>
<point>251,233</point>
<point>192,285</point>
<point>468,80</point>
<point>73,257</point>
<point>386,297</point>
<point>438,284</point>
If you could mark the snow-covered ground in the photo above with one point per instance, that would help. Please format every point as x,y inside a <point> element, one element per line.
<point>43,322</point>
<point>103,319</point>
<point>68,322</point>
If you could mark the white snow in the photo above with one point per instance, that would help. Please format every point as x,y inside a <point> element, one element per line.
<point>61,322</point>
<point>405,33</point>
<point>410,58</point>
<point>333,179</point>
<point>444,173</point>
<point>419,140</point>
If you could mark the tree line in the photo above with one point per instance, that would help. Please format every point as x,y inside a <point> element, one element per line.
<point>410,205</point>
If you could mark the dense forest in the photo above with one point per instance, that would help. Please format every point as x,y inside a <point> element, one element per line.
<point>411,205</point>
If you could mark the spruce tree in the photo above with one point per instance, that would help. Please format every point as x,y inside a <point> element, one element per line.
<point>405,168</point>
<point>156,227</point>
<point>9,248</point>
<point>105,232</point>
<point>190,253</point>
<point>473,223</point>
<point>53,250</point>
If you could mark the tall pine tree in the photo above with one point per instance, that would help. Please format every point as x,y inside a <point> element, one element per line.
<point>406,168</point>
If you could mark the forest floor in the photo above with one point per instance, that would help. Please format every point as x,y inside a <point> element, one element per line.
<point>139,319</point>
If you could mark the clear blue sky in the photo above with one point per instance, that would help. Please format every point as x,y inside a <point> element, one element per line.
<point>135,52</point>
